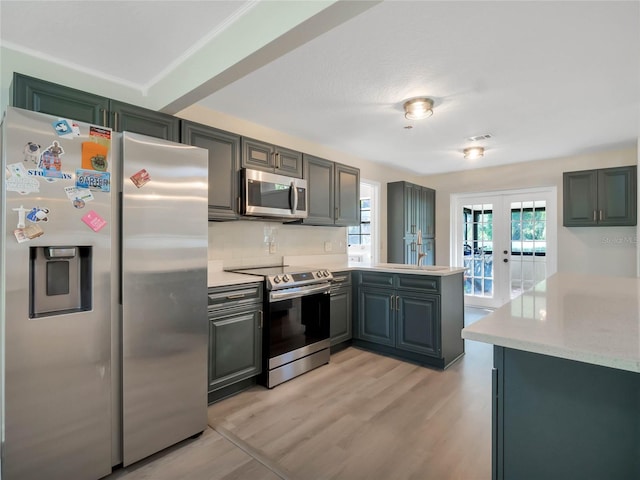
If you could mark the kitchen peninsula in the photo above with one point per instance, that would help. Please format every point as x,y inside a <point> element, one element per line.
<point>566,379</point>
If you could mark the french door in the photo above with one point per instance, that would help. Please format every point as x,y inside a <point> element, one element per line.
<point>506,241</point>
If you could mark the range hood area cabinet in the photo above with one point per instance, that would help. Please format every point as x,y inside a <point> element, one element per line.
<point>600,198</point>
<point>410,209</point>
<point>271,158</point>
<point>46,97</point>
<point>224,164</point>
<point>334,192</point>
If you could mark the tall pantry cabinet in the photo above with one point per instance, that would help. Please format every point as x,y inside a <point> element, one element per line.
<point>410,210</point>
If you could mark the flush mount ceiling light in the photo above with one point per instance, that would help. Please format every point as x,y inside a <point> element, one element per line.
<point>417,108</point>
<point>473,152</point>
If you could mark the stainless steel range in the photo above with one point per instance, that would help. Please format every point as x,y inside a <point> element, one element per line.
<point>296,321</point>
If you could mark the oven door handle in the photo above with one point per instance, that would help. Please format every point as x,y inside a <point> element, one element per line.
<point>296,292</point>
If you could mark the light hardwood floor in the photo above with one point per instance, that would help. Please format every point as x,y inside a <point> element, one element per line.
<point>363,416</point>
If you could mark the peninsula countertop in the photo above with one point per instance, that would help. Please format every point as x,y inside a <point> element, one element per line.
<point>587,318</point>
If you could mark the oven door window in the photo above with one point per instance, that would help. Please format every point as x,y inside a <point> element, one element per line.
<point>297,322</point>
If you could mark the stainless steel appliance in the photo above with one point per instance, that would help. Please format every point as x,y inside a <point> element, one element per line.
<point>102,365</point>
<point>296,322</point>
<point>267,194</point>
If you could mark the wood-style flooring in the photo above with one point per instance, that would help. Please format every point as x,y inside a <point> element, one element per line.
<point>363,416</point>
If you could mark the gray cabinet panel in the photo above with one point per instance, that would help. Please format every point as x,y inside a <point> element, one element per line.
<point>334,192</point>
<point>130,118</point>
<point>418,319</point>
<point>410,210</point>
<point>235,347</point>
<point>235,336</point>
<point>559,419</point>
<point>319,174</point>
<point>415,317</point>
<point>271,158</point>
<point>605,197</point>
<point>376,322</point>
<point>46,97</point>
<point>347,195</point>
<point>341,308</point>
<point>224,163</point>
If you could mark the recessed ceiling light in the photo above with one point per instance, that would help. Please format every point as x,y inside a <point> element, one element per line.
<point>473,152</point>
<point>417,108</point>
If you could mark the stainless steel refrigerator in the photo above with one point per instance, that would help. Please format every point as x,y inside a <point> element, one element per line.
<point>103,298</point>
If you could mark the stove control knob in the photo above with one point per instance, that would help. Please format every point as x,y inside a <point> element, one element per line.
<point>285,278</point>
<point>318,274</point>
<point>276,279</point>
<point>325,273</point>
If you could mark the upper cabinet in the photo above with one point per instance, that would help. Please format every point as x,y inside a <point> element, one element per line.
<point>347,195</point>
<point>224,162</point>
<point>333,192</point>
<point>46,97</point>
<point>410,209</point>
<point>604,197</point>
<point>271,158</point>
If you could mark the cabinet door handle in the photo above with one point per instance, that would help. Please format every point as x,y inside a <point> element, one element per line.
<point>601,216</point>
<point>413,246</point>
<point>261,319</point>
<point>594,216</point>
<point>115,121</point>
<point>391,301</point>
<point>104,116</point>
<point>337,213</point>
<point>397,303</point>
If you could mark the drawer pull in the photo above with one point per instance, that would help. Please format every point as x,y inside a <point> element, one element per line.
<point>236,296</point>
<point>339,279</point>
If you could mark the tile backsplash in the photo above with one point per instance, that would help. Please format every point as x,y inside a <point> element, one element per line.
<point>255,242</point>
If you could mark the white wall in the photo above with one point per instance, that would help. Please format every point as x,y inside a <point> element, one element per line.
<point>604,250</point>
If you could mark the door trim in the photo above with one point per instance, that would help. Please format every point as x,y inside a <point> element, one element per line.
<point>551,194</point>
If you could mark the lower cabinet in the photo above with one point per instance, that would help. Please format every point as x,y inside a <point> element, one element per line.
<point>235,339</point>
<point>555,418</point>
<point>414,317</point>
<point>341,307</point>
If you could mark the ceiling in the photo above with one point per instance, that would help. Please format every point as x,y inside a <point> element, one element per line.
<point>544,79</point>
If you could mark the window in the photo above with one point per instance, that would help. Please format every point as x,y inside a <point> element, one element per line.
<point>361,234</point>
<point>529,228</point>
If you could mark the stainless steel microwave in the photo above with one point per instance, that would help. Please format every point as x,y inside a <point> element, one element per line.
<point>267,194</point>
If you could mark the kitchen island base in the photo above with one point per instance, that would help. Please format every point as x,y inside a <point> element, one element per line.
<point>555,418</point>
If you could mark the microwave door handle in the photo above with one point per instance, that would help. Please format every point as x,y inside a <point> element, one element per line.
<point>294,202</point>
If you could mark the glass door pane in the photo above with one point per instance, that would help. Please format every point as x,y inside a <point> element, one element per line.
<point>477,249</point>
<point>528,244</point>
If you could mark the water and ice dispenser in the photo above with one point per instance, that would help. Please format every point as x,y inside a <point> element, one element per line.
<point>59,280</point>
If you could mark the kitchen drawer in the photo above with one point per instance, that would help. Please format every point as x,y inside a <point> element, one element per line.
<point>234,295</point>
<point>377,278</point>
<point>419,282</point>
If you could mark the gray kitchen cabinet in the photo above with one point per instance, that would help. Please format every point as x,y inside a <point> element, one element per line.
<point>410,209</point>
<point>604,197</point>
<point>414,317</point>
<point>347,195</point>
<point>555,418</point>
<point>224,163</point>
<point>235,338</point>
<point>271,158</point>
<point>47,97</point>
<point>319,174</point>
<point>341,310</point>
<point>333,192</point>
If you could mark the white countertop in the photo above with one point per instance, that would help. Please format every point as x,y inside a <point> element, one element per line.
<point>216,277</point>
<point>588,318</point>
